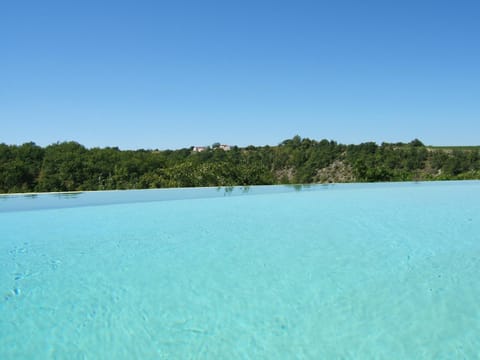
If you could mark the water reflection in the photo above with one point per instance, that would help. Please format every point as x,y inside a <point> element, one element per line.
<point>6,197</point>
<point>30,196</point>
<point>228,190</point>
<point>299,187</point>
<point>69,195</point>
<point>81,198</point>
<point>245,189</point>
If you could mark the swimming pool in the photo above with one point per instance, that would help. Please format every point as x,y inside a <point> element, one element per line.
<point>327,271</point>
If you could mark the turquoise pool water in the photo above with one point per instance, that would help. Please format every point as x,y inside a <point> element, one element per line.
<point>373,271</point>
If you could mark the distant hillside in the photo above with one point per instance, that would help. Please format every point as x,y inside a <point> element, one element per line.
<point>70,166</point>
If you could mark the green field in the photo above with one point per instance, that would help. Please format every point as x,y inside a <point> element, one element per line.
<point>452,148</point>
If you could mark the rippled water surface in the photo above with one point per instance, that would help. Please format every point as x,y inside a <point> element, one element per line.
<point>386,271</point>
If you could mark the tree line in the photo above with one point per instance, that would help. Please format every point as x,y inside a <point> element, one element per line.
<point>70,166</point>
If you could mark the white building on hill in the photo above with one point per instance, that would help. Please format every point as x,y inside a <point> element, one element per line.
<point>199,148</point>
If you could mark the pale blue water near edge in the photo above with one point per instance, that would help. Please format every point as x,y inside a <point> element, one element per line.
<point>385,271</point>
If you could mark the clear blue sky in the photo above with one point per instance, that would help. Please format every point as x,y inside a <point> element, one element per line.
<point>171,74</point>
